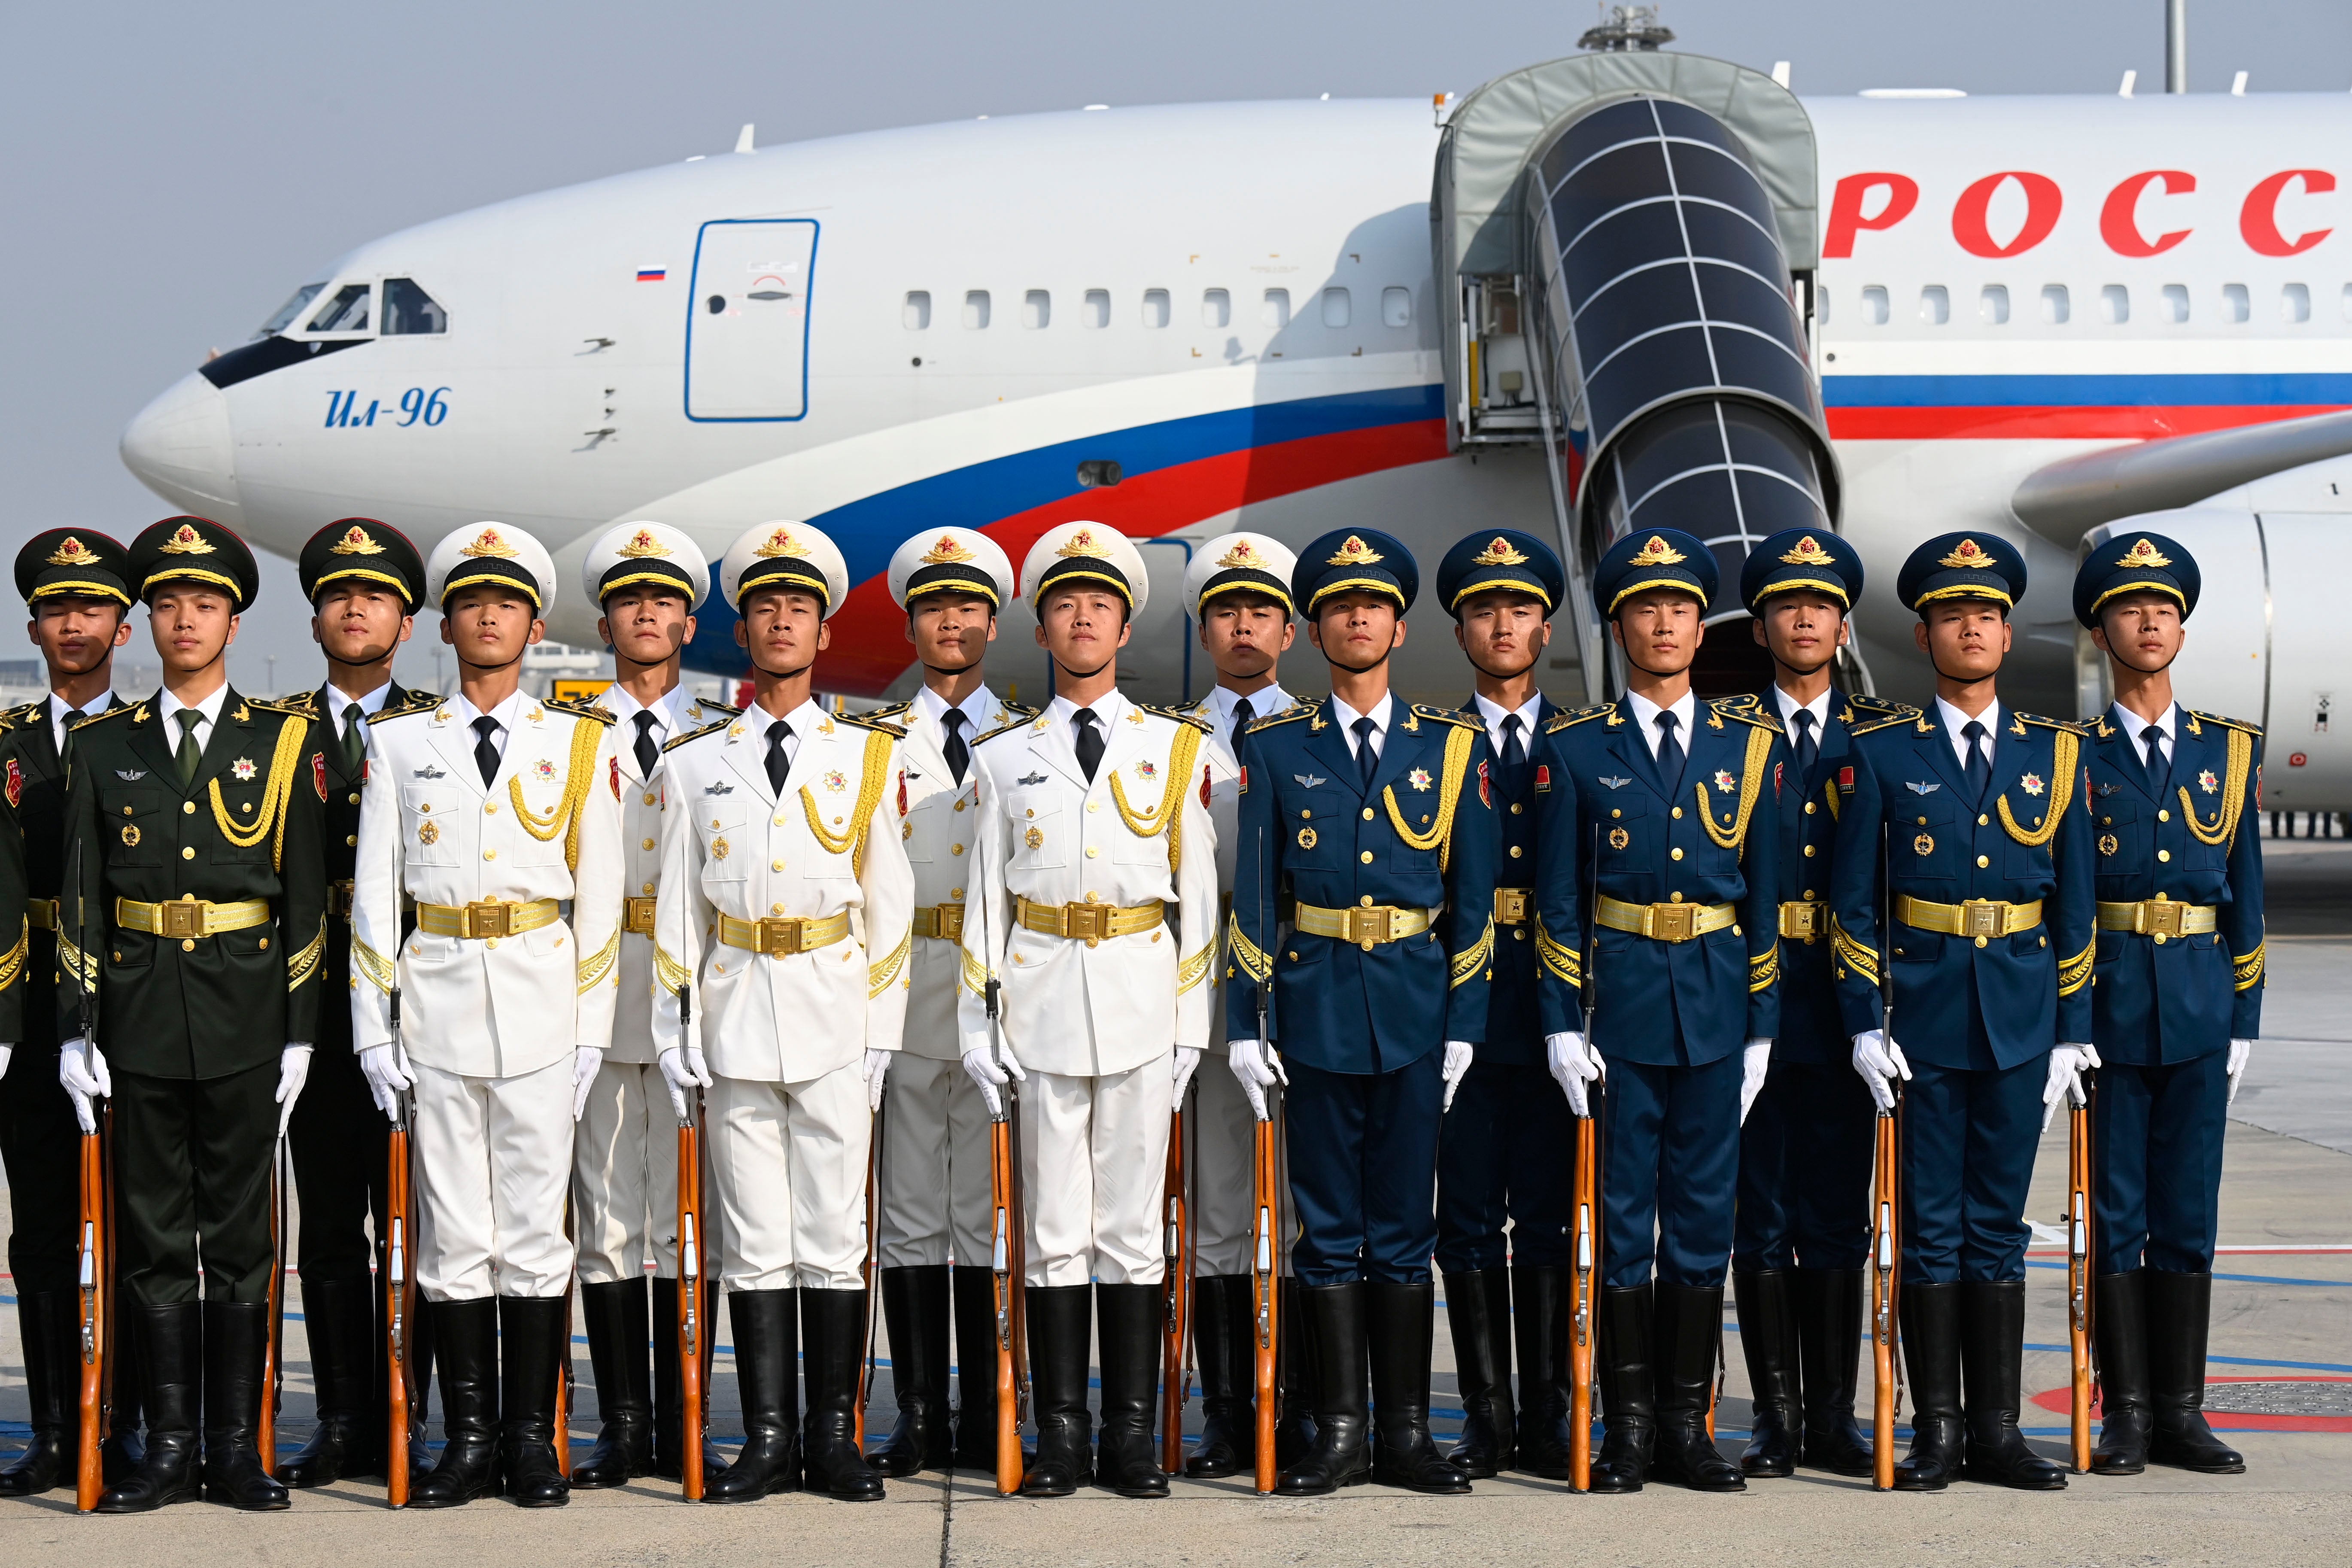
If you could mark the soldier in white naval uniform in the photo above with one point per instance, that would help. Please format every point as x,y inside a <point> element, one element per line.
<point>786,905</point>
<point>950,582</point>
<point>648,579</point>
<point>488,809</point>
<point>1086,840</point>
<point>1237,588</point>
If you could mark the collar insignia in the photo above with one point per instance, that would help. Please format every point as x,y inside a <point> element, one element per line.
<point>355,542</point>
<point>1353,551</point>
<point>2143,555</point>
<point>1656,552</point>
<point>1499,552</point>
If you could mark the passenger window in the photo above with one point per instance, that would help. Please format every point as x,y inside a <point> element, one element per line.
<point>2294,304</point>
<point>2176,302</point>
<point>975,310</point>
<point>1097,312</point>
<point>2236,306</point>
<point>1155,307</point>
<point>1935,304</point>
<point>1037,309</point>
<point>289,310</point>
<point>1396,306</point>
<point>410,311</point>
<point>1335,307</point>
<point>2115,304</point>
<point>2057,305</point>
<point>1873,304</point>
<point>1276,313</point>
<point>346,313</point>
<point>1216,308</point>
<point>915,315</point>
<point>1992,305</point>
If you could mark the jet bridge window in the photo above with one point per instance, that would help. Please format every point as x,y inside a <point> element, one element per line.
<point>287,312</point>
<point>346,313</point>
<point>409,310</point>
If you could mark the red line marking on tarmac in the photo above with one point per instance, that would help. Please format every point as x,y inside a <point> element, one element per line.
<point>2061,1400</point>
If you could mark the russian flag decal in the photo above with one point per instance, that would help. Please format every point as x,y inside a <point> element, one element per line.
<point>652,274</point>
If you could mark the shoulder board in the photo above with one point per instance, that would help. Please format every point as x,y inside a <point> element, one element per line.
<point>128,708</point>
<point>712,705</point>
<point>1449,716</point>
<point>2096,724</point>
<point>1021,724</point>
<point>1742,703</point>
<point>423,702</point>
<point>289,708</point>
<point>1020,709</point>
<point>675,742</point>
<point>1746,708</point>
<point>303,702</point>
<point>1566,717</point>
<point>2068,725</point>
<point>891,714</point>
<point>581,711</point>
<point>2204,718</point>
<point>1181,715</point>
<point>1872,723</point>
<point>1879,707</point>
<point>29,713</point>
<point>1306,709</point>
<point>871,722</point>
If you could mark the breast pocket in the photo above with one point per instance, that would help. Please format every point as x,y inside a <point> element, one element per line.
<point>725,833</point>
<point>430,820</point>
<point>2118,832</point>
<point>1039,835</point>
<point>928,822</point>
<point>543,822</point>
<point>1317,827</point>
<point>1928,840</point>
<point>1625,827</point>
<point>133,819</point>
<point>241,803</point>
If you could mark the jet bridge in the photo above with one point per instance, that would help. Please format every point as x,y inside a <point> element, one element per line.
<point>1624,247</point>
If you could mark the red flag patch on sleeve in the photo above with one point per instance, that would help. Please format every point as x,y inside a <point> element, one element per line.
<point>1543,778</point>
<point>1245,778</point>
<point>1845,781</point>
<point>902,792</point>
<point>318,777</point>
<point>617,776</point>
<point>1485,787</point>
<point>15,783</point>
<point>1204,783</point>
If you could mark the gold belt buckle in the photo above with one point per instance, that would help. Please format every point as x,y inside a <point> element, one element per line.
<point>1802,919</point>
<point>1673,922</point>
<point>1367,928</point>
<point>1090,922</point>
<point>2162,917</point>
<point>950,922</point>
<point>637,916</point>
<point>1984,917</point>
<point>489,918</point>
<point>338,898</point>
<point>1510,906</point>
<point>182,918</point>
<point>780,936</point>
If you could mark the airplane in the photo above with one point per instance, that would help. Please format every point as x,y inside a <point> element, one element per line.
<point>2052,317</point>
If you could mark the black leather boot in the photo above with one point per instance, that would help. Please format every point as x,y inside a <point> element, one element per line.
<point>2179,1311</point>
<point>49,1323</point>
<point>531,1347</point>
<point>1132,1323</point>
<point>1334,1317</point>
<point>2119,1318</point>
<point>171,1353</point>
<point>668,1388</point>
<point>1687,1331</point>
<point>466,1347</point>
<point>833,1340</point>
<point>1403,1327</point>
<point>1294,1424</point>
<point>1224,1344</point>
<point>1060,1316</point>
<point>915,1316</point>
<point>1931,1318</point>
<point>1628,1393</point>
<point>1830,1305</point>
<point>765,1327</point>
<point>236,1342</point>
<point>975,1356</point>
<point>1992,1351</point>
<point>1478,1316</point>
<point>339,1319</point>
<point>1767,1340</point>
<point>1541,1324</point>
<point>618,1329</point>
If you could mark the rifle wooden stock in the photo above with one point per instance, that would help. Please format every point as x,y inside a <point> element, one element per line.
<point>399,1313</point>
<point>273,1349</point>
<point>690,1326</point>
<point>96,1325</point>
<point>564,1367</point>
<point>1008,1262</point>
<point>2078,1275</point>
<point>1585,1199</point>
<point>1265,1285</point>
<point>1176,1258</point>
<point>1883,1201</point>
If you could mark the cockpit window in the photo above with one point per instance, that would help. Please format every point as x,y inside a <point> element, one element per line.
<point>408,309</point>
<point>289,310</point>
<point>346,313</point>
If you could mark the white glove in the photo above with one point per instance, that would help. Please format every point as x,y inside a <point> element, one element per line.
<point>2239,1051</point>
<point>682,1068</point>
<point>878,1065</point>
<point>584,1063</point>
<point>981,1066</point>
<point>1187,1063</point>
<point>1575,1066</point>
<point>1458,1055</point>
<point>1257,1069</point>
<point>1880,1062</point>
<point>82,1069</point>
<point>2066,1065</point>
<point>1754,1064</point>
<point>293,1072</point>
<point>387,1071</point>
<point>7,1052</point>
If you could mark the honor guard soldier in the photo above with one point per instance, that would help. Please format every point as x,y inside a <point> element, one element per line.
<point>1378,818</point>
<point>951,582</point>
<point>1657,842</point>
<point>1969,821</point>
<point>74,586</point>
<point>1803,1232</point>
<point>365,581</point>
<point>1499,1159</point>
<point>1237,588</point>
<point>2176,1001</point>
<point>197,908</point>
<point>786,906</point>
<point>1089,830</point>
<point>649,580</point>
<point>488,809</point>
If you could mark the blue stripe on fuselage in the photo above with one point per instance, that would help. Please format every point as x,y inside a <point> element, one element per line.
<point>2084,391</point>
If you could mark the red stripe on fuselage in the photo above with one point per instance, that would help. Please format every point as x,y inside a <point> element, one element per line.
<point>2059,424</point>
<point>869,649</point>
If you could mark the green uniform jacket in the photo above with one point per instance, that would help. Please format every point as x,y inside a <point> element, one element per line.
<point>32,865</point>
<point>208,1006</point>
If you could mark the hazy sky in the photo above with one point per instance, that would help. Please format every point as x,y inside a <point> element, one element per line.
<point>169,173</point>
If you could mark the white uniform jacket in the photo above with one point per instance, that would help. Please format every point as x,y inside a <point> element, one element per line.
<point>1135,835</point>
<point>831,844</point>
<point>641,826</point>
<point>548,827</point>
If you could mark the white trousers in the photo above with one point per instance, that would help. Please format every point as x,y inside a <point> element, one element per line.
<point>624,1176</point>
<point>788,1162</point>
<point>935,1197</point>
<point>493,1165</point>
<point>1223,1135</point>
<point>1093,1168</point>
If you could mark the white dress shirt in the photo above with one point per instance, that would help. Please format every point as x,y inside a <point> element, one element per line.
<point>622,704</point>
<point>1265,700</point>
<point>332,702</point>
<point>1346,717</point>
<point>979,711</point>
<point>503,715</point>
<point>1495,713</point>
<point>59,707</point>
<point>2136,728</point>
<point>1954,721</point>
<point>209,709</point>
<point>804,719</point>
<point>1645,716</point>
<point>1107,709</point>
<point>1818,708</point>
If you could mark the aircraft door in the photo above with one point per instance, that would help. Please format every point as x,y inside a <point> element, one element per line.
<point>747,328</point>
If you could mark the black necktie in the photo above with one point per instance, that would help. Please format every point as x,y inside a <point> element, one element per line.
<point>1089,741</point>
<point>1670,751</point>
<point>2154,738</point>
<point>486,750</point>
<point>958,753</point>
<point>1366,761</point>
<point>354,739</point>
<point>1808,748</point>
<point>1979,768</point>
<point>1515,756</point>
<point>648,751</point>
<point>190,753</point>
<point>1243,714</point>
<point>779,764</point>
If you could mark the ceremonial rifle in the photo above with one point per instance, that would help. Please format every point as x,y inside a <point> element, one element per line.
<point>871,1267</point>
<point>693,1408</point>
<point>2078,1269</point>
<point>97,1263</point>
<point>1008,1248</point>
<point>1266,1194</point>
<point>1176,1261</point>
<point>1886,1198</point>
<point>399,1300</point>
<point>1585,1198</point>
<point>273,1350</point>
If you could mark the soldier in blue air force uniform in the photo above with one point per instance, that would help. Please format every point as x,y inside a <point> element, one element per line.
<point>1378,818</point>
<point>1805,1149</point>
<point>1977,814</point>
<point>2177,1001</point>
<point>1657,886</point>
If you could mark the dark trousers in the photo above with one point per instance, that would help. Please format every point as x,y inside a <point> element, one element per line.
<point>1669,1172</point>
<point>1804,1170</point>
<point>192,1170</point>
<point>40,1143</point>
<point>339,1141</point>
<point>1507,1155</point>
<point>1363,1171</point>
<point>1968,1139</point>
<point>2156,1153</point>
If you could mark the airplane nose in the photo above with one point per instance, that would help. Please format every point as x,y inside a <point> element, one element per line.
<point>179,447</point>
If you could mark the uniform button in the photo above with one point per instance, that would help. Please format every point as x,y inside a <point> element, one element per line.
<point>190,853</point>
<point>2164,816</point>
<point>2106,822</point>
<point>2164,854</point>
<point>1675,854</point>
<point>489,854</point>
<point>188,808</point>
<point>775,909</point>
<point>2159,939</point>
<point>1303,817</point>
<point>491,807</point>
<point>1033,813</point>
<point>1516,851</point>
<point>1517,808</point>
<point>956,893</point>
<point>1809,849</point>
<point>187,945</point>
<point>1983,821</point>
<point>1673,898</point>
<point>1678,812</point>
<point>1983,861</point>
<point>960,805</point>
<point>1808,892</point>
<point>649,799</point>
<point>1809,808</point>
<point>1294,957</point>
<point>1366,856</point>
<point>491,941</point>
<point>1367,814</point>
<point>352,839</point>
<point>775,865</point>
<point>355,797</point>
<point>955,849</point>
<point>1092,851</point>
<point>1366,901</point>
<point>649,888</point>
<point>1923,822</point>
<point>1981,941</point>
<point>1093,806</point>
<point>645,844</point>
<point>1615,812</point>
<point>778,822</point>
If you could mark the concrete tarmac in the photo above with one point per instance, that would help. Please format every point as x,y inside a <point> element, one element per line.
<point>2282,1341</point>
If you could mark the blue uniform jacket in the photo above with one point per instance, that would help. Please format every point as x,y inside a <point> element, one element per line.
<point>1514,1025</point>
<point>1606,821</point>
<point>1308,831</point>
<point>2029,838</point>
<point>2194,836</point>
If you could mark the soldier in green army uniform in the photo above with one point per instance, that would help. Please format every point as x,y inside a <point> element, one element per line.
<point>195,903</point>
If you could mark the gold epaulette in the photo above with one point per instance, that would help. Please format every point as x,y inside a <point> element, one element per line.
<point>1861,708</point>
<point>1181,715</point>
<point>1296,711</point>
<point>292,710</point>
<point>2199,716</point>
<point>675,742</point>
<point>696,707</point>
<point>1573,716</point>
<point>1450,716</point>
<point>603,715</point>
<point>1743,701</point>
<point>423,702</point>
<point>868,721</point>
<point>892,713</point>
<point>27,714</point>
<point>2097,725</point>
<point>306,703</point>
<point>1746,710</point>
<point>2069,725</point>
<point>1866,723</point>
